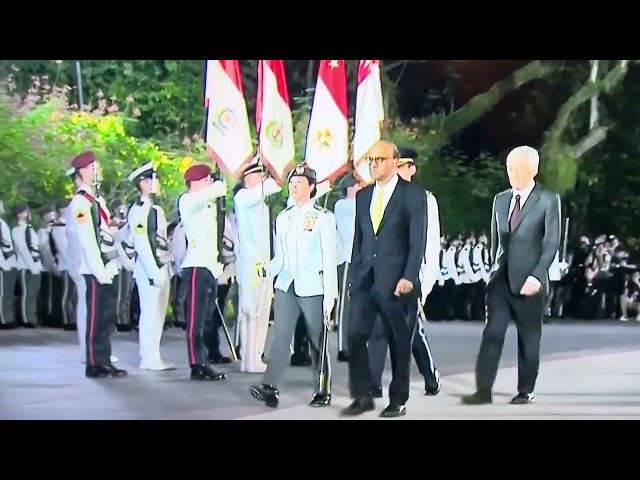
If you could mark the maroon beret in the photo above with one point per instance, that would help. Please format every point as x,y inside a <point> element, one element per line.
<point>83,159</point>
<point>197,172</point>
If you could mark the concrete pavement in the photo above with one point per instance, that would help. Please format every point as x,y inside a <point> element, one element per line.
<point>589,370</point>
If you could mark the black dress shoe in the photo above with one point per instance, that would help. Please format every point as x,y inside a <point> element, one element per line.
<point>478,398</point>
<point>103,371</point>
<point>394,410</point>
<point>523,399</point>
<point>342,356</point>
<point>98,371</point>
<point>117,372</point>
<point>267,394</point>
<point>300,360</point>
<point>219,359</point>
<point>320,400</point>
<point>431,390</point>
<point>204,372</point>
<point>358,407</point>
<point>376,392</point>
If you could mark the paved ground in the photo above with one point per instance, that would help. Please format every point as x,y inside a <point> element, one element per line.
<point>589,370</point>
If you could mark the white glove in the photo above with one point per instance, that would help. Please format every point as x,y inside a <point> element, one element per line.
<point>105,279</point>
<point>159,279</point>
<point>327,306</point>
<point>441,282</point>
<point>457,281</point>
<point>34,271</point>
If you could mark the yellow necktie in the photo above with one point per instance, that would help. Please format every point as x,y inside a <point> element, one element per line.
<point>376,215</point>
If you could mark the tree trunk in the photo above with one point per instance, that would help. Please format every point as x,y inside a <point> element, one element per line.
<point>482,103</point>
<point>588,91</point>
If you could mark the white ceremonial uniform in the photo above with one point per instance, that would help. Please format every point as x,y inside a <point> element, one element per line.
<point>296,251</point>
<point>305,264</point>
<point>481,261</point>
<point>148,229</point>
<point>59,234</point>
<point>98,265</point>
<point>344,212</point>
<point>29,264</point>
<point>177,248</point>
<point>8,274</point>
<point>252,251</point>
<point>430,270</point>
<point>199,218</point>
<point>73,256</point>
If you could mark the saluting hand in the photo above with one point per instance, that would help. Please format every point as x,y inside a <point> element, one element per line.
<point>403,287</point>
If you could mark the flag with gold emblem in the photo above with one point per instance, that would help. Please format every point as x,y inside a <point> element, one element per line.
<point>369,115</point>
<point>273,119</point>
<point>327,146</point>
<point>227,132</point>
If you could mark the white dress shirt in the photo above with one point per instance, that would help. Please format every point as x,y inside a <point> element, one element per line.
<point>387,190</point>
<point>524,195</point>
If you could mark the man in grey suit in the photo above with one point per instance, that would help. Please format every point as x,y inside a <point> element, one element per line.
<point>525,236</point>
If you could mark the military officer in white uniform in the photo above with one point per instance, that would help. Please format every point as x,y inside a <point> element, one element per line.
<point>201,266</point>
<point>25,241</point>
<point>8,273</point>
<point>345,213</point>
<point>253,253</point>
<point>50,276</point>
<point>148,228</point>
<point>305,263</point>
<point>178,249</point>
<point>451,281</point>
<point>428,275</point>
<point>98,266</point>
<point>468,278</point>
<point>67,299</point>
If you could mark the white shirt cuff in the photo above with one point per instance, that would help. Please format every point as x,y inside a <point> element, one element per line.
<point>534,280</point>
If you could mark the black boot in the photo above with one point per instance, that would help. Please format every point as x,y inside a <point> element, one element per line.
<point>205,372</point>
<point>267,394</point>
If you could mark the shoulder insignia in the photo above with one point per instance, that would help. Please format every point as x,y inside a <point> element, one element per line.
<point>80,217</point>
<point>139,229</point>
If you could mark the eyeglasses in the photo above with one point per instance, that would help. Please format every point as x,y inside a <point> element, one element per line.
<point>377,159</point>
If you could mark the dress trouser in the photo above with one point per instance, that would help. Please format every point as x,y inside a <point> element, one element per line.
<point>201,289</point>
<point>8,280</point>
<point>101,300</point>
<point>527,312</point>
<point>287,308</point>
<point>30,286</point>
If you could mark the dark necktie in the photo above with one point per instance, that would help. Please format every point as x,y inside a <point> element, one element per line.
<point>515,215</point>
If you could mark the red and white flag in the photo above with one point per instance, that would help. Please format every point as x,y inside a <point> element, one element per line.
<point>369,115</point>
<point>273,119</point>
<point>327,149</point>
<point>228,136</point>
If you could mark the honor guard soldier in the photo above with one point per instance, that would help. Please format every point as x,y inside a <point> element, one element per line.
<point>124,247</point>
<point>98,266</point>
<point>305,264</point>
<point>253,254</point>
<point>345,213</point>
<point>8,274</point>
<point>148,227</point>
<point>468,278</point>
<point>225,281</point>
<point>25,240</point>
<point>480,265</point>
<point>428,275</point>
<point>49,278</point>
<point>66,301</point>
<point>201,266</point>
<point>178,249</point>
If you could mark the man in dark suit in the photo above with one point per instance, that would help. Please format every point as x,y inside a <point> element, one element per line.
<point>388,250</point>
<point>525,236</point>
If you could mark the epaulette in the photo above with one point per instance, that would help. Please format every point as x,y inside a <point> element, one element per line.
<point>319,208</point>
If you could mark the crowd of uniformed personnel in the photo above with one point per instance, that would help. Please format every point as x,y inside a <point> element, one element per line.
<point>96,267</point>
